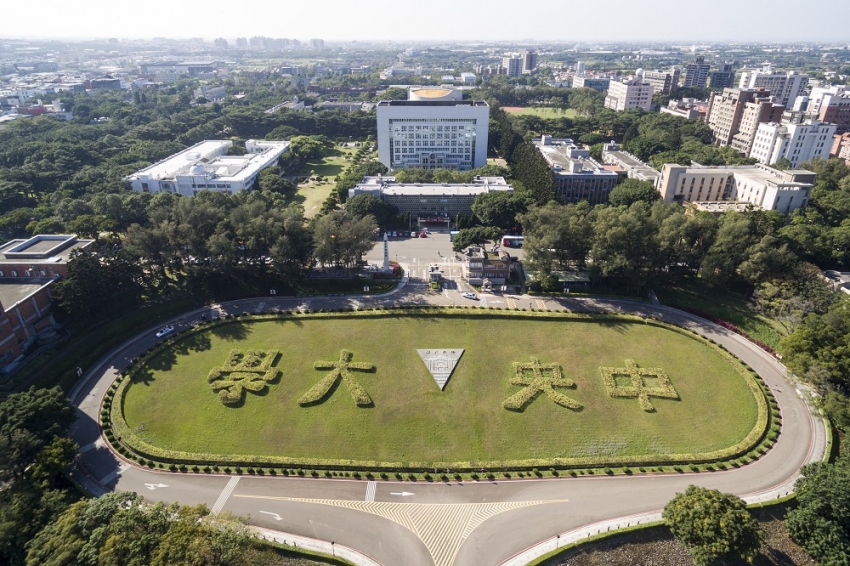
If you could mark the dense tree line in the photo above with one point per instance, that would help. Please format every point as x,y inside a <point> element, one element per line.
<point>204,242</point>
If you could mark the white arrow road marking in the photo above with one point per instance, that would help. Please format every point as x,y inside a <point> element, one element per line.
<point>153,486</point>
<point>274,516</point>
<point>403,493</point>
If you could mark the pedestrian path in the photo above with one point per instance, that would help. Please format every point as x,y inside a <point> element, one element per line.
<point>225,494</point>
<point>576,535</point>
<point>314,545</point>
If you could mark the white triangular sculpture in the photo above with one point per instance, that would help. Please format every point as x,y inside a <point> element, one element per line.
<point>441,363</point>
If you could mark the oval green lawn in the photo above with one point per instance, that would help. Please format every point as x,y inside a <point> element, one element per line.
<point>170,404</point>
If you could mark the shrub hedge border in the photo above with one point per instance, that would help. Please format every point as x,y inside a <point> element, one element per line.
<point>125,442</point>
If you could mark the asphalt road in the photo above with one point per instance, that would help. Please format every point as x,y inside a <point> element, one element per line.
<point>435,523</point>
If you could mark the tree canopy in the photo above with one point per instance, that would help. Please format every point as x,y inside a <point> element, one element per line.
<point>821,522</point>
<point>713,525</point>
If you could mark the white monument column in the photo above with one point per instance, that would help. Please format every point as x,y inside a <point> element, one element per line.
<point>386,253</point>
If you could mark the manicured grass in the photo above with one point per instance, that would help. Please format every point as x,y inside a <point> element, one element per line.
<point>311,194</point>
<point>727,305</point>
<point>541,111</point>
<point>170,404</point>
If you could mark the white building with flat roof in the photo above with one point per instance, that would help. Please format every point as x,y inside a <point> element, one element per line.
<point>633,93</point>
<point>612,154</point>
<point>433,134</point>
<point>758,185</point>
<point>797,143</point>
<point>206,166</point>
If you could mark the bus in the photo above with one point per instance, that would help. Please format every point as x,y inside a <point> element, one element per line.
<point>512,241</point>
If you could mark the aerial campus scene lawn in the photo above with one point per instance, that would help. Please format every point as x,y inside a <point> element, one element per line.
<point>174,400</point>
<point>541,111</point>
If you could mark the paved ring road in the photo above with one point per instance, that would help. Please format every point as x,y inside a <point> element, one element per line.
<point>441,524</point>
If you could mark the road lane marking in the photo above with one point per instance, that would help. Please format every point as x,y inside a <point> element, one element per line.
<point>153,486</point>
<point>371,487</point>
<point>114,474</point>
<point>99,443</point>
<point>511,304</point>
<point>225,494</point>
<point>443,527</point>
<point>541,304</point>
<point>260,307</point>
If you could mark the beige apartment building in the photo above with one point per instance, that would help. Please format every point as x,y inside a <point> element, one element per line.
<point>735,114</point>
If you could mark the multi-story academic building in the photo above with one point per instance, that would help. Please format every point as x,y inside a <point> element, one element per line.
<point>433,134</point>
<point>757,185</point>
<point>206,166</point>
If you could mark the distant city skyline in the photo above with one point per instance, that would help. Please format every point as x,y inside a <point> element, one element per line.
<point>439,20</point>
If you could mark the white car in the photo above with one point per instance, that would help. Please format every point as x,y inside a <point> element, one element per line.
<point>472,296</point>
<point>164,331</point>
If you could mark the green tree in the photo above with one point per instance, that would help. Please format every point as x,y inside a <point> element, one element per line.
<point>500,208</point>
<point>477,236</point>
<point>33,451</point>
<point>821,522</point>
<point>729,250</point>
<point>531,169</point>
<point>271,181</point>
<point>360,206</point>
<point>713,525</point>
<point>820,346</point>
<point>630,191</point>
<point>340,239</point>
<point>29,421</point>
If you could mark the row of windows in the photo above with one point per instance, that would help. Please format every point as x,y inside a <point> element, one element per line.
<point>429,128</point>
<point>432,143</point>
<point>27,273</point>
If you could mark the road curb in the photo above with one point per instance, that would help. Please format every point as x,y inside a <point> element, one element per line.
<point>315,545</point>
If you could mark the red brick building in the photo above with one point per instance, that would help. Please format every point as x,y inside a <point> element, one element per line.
<point>27,270</point>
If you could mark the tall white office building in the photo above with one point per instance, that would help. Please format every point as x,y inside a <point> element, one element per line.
<point>797,143</point>
<point>633,93</point>
<point>433,134</point>
<point>786,86</point>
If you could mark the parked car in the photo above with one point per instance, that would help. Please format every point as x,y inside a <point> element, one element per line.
<point>413,234</point>
<point>423,235</point>
<point>164,331</point>
<point>472,296</point>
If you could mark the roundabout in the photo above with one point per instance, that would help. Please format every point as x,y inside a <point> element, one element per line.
<point>448,522</point>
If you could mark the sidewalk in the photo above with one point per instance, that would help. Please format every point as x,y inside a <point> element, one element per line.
<point>579,534</point>
<point>306,543</point>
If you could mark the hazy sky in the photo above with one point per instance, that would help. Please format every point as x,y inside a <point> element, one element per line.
<point>568,20</point>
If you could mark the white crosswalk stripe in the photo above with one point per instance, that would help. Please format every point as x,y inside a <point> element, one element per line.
<point>225,494</point>
<point>371,487</point>
<point>443,527</point>
<point>113,474</point>
<point>261,307</point>
<point>511,304</point>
